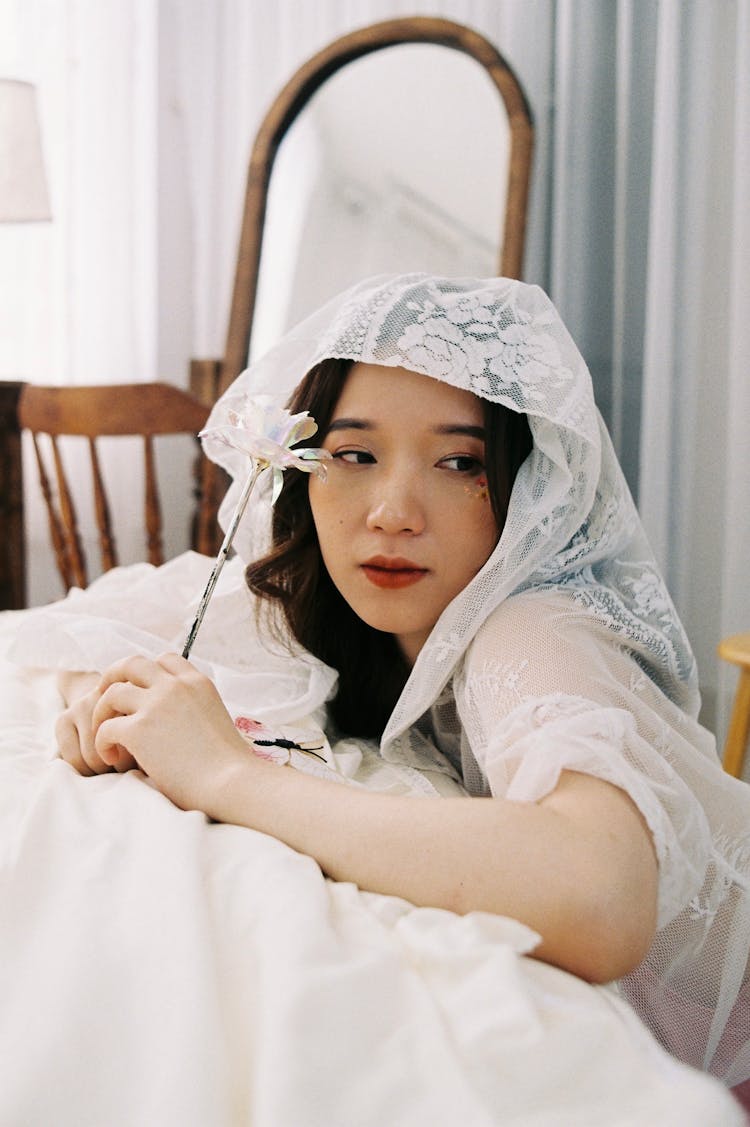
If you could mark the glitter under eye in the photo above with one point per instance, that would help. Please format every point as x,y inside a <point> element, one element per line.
<point>478,489</point>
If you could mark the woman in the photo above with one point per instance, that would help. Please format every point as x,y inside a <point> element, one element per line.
<point>494,614</point>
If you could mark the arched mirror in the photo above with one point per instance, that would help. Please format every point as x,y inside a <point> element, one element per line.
<point>405,145</point>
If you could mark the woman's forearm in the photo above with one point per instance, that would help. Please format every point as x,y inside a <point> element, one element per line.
<point>578,867</point>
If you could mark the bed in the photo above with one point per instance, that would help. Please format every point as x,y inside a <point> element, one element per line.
<point>158,968</point>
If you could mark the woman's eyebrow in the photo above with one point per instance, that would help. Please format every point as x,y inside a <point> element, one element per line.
<point>351,424</point>
<point>469,429</point>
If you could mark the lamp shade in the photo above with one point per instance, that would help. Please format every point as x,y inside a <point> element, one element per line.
<point>23,185</point>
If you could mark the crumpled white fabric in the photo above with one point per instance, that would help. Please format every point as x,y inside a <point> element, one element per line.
<point>146,610</point>
<point>156,968</point>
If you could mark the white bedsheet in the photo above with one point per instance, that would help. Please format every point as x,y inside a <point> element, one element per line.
<point>159,970</point>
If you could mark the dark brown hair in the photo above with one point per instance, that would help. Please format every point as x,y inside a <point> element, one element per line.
<point>372,670</point>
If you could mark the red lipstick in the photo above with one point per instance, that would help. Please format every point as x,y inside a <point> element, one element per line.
<point>393,572</point>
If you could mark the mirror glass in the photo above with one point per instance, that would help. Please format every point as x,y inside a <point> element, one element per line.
<point>399,162</point>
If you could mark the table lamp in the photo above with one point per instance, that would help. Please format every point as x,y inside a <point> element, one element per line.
<point>23,185</point>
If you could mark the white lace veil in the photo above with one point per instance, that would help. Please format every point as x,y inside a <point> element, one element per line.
<point>573,535</point>
<point>571,519</point>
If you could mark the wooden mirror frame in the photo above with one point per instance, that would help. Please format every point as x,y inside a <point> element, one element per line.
<point>295,96</point>
<point>209,378</point>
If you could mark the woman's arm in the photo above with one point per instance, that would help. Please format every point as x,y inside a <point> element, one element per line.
<point>578,867</point>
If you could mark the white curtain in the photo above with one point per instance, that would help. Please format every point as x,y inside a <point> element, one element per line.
<point>695,432</point>
<point>639,222</point>
<point>79,296</point>
<point>86,308</point>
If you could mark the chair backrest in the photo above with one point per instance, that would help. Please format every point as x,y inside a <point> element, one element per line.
<point>145,410</point>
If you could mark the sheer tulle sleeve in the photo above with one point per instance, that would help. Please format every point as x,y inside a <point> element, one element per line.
<point>546,688</point>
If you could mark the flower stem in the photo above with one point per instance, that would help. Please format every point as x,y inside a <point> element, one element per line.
<point>221,559</point>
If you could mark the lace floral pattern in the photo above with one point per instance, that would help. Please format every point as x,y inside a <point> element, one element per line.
<point>482,339</point>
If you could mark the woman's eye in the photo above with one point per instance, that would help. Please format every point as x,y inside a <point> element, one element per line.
<point>354,457</point>
<point>463,463</point>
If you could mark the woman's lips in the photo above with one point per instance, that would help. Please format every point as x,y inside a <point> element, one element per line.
<point>393,573</point>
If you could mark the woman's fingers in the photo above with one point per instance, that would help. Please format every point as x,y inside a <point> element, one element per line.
<point>137,670</point>
<point>69,745</point>
<point>85,734</point>
<point>165,717</point>
<point>109,748</point>
<point>117,702</point>
<point>75,742</point>
<point>174,663</point>
<point>121,698</point>
<point>110,743</point>
<point>146,672</point>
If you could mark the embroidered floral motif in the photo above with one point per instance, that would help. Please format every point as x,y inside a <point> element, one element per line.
<point>276,745</point>
<point>493,677</point>
<point>638,680</point>
<point>445,648</point>
<point>650,595</point>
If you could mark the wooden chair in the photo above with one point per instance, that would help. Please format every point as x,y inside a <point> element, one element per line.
<point>736,650</point>
<point>146,410</point>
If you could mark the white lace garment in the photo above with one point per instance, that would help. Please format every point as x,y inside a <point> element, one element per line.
<point>564,652</point>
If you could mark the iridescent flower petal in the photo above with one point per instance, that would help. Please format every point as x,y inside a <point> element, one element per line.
<point>262,430</point>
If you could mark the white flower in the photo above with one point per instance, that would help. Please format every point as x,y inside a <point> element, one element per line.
<point>263,431</point>
<point>259,428</point>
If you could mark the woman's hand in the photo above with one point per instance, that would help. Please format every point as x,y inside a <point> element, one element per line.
<point>74,728</point>
<point>171,720</point>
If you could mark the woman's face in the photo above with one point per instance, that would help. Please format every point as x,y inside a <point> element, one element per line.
<point>404,520</point>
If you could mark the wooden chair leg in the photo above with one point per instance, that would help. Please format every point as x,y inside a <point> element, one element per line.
<point>72,537</point>
<point>55,522</point>
<point>107,547</point>
<point>739,728</point>
<point>153,508</point>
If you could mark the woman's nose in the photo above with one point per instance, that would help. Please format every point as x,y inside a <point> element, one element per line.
<point>396,508</point>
